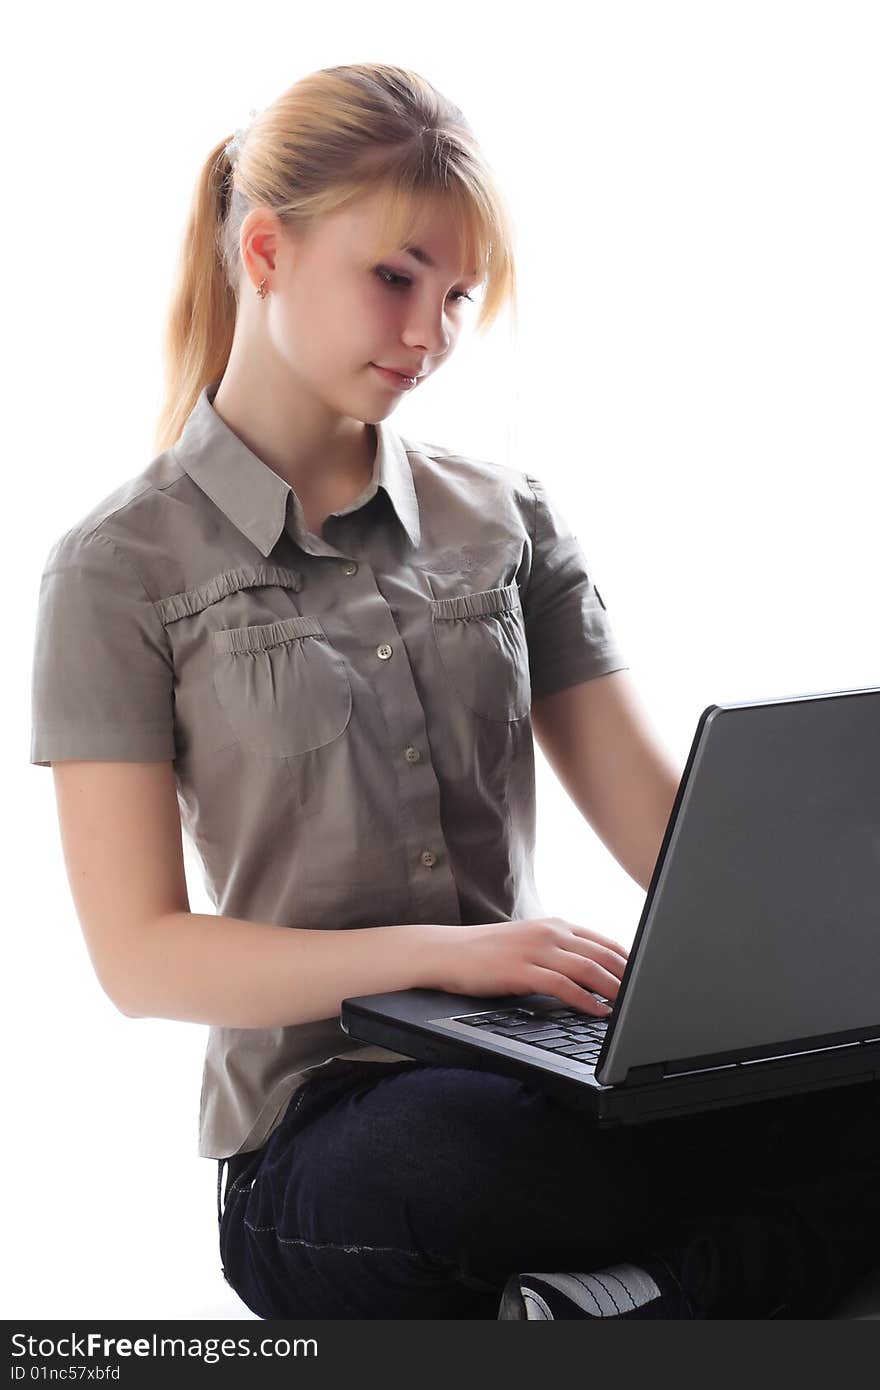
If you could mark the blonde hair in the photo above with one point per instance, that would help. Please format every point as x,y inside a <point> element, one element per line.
<point>334,136</point>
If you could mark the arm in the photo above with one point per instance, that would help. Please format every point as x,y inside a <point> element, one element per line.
<point>597,738</point>
<point>121,837</point>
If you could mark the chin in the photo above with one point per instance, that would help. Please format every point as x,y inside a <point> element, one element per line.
<point>353,406</point>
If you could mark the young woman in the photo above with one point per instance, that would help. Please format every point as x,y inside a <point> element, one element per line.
<point>323,649</point>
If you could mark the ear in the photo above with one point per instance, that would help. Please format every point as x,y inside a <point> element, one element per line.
<point>262,234</point>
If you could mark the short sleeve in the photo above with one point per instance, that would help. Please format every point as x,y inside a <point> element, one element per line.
<point>569,633</point>
<point>102,678</point>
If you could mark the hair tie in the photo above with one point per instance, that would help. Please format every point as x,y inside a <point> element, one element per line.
<point>233,145</point>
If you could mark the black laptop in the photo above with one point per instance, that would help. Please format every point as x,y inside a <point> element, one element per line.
<point>755,970</point>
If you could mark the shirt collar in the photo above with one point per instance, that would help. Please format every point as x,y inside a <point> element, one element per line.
<point>255,498</point>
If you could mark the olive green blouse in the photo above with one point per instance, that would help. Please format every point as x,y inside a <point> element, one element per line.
<point>348,713</point>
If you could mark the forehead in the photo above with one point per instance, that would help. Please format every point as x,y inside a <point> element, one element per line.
<point>436,239</point>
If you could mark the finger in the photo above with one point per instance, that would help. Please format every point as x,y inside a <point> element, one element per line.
<point>589,935</point>
<point>596,976</point>
<point>564,988</point>
<point>611,960</point>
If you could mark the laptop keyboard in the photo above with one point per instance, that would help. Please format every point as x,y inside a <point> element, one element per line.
<point>565,1031</point>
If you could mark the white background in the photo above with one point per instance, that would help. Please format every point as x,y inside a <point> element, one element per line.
<point>697,208</point>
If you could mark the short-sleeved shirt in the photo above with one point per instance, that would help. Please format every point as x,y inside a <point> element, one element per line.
<point>348,713</point>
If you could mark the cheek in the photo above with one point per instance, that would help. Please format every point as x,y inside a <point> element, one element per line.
<point>323,329</point>
<point>314,330</point>
<point>354,324</point>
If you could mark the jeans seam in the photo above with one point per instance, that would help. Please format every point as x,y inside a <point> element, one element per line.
<point>351,1248</point>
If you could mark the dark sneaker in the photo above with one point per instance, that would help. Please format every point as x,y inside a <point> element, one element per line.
<point>650,1289</point>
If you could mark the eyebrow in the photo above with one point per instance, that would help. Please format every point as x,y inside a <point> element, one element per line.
<point>422,256</point>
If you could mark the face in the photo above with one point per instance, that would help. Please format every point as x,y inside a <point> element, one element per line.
<point>335,316</point>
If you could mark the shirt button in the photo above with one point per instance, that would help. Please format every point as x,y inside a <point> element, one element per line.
<point>429,858</point>
<point>412,755</point>
<point>383,652</point>
<point>350,567</point>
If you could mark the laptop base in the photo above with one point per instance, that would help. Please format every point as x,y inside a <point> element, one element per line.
<point>714,1088</point>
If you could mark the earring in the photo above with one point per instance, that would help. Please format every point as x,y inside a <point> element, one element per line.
<point>261,288</point>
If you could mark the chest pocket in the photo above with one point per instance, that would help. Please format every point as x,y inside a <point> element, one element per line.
<point>284,688</point>
<point>481,639</point>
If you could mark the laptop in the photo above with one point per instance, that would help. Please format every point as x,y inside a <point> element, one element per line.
<point>755,970</point>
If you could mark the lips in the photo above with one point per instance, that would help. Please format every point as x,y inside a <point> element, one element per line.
<point>395,379</point>
<point>413,374</point>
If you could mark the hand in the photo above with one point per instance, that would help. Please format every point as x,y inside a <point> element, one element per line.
<point>542,955</point>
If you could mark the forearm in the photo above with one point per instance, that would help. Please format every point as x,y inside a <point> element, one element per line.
<point>633,829</point>
<point>231,973</point>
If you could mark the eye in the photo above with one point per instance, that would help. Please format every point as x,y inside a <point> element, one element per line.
<point>395,282</point>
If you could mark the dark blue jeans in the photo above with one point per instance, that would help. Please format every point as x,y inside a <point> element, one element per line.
<point>407,1190</point>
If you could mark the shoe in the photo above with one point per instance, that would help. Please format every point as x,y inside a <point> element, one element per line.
<point>650,1289</point>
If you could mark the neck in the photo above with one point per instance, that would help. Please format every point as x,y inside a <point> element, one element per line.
<point>301,438</point>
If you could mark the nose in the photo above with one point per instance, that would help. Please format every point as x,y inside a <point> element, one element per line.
<point>426,332</point>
